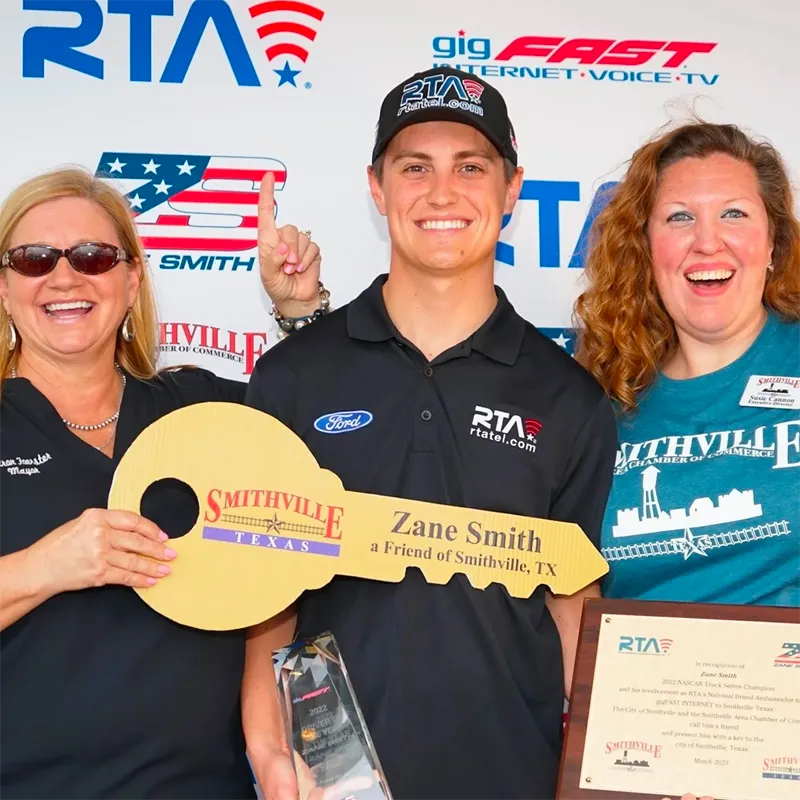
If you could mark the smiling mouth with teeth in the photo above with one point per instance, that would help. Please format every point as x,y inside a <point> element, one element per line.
<point>710,277</point>
<point>443,224</point>
<point>76,308</point>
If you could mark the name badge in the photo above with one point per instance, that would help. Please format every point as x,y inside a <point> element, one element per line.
<point>771,391</point>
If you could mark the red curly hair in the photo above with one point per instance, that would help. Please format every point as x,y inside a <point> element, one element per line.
<point>626,333</point>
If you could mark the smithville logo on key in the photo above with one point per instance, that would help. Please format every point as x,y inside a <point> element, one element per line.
<point>223,505</point>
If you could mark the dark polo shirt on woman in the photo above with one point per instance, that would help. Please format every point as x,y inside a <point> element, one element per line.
<point>100,696</point>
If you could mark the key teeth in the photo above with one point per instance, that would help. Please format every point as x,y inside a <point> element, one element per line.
<point>524,589</point>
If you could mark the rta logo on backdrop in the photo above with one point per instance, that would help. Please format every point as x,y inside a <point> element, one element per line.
<point>549,196</point>
<point>285,30</point>
<point>541,57</point>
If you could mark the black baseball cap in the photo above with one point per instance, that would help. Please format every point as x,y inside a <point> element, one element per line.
<point>450,95</point>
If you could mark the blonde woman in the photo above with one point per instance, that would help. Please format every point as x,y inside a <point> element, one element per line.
<point>101,697</point>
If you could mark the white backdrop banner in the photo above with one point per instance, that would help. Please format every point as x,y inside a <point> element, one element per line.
<point>185,104</point>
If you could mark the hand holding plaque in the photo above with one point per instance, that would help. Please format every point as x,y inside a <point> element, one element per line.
<point>273,524</point>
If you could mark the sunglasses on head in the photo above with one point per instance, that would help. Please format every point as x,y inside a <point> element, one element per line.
<point>89,258</point>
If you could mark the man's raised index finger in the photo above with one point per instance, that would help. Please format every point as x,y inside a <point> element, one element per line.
<point>266,209</point>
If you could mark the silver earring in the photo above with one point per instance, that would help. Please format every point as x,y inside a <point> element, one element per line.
<point>770,267</point>
<point>127,328</point>
<point>12,335</point>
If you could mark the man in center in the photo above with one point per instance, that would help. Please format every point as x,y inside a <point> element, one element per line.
<point>462,402</point>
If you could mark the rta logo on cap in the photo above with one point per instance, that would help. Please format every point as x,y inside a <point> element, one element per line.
<point>442,91</point>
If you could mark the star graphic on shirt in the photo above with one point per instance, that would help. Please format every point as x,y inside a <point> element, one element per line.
<point>692,545</point>
<point>116,165</point>
<point>151,166</point>
<point>287,74</point>
<point>136,201</point>
<point>186,168</point>
<point>163,187</point>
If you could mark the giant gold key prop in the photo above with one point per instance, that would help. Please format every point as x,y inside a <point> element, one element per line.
<point>272,524</point>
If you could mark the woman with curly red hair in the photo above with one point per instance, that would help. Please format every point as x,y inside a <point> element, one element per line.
<point>690,323</point>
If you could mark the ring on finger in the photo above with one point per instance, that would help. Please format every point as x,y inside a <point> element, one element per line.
<point>307,234</point>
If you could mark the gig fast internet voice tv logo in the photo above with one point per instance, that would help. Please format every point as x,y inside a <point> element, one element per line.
<point>199,211</point>
<point>541,57</point>
<point>281,30</point>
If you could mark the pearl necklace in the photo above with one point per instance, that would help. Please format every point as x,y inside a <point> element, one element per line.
<point>105,422</point>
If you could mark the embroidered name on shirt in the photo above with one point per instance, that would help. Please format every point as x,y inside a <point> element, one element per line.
<point>24,466</point>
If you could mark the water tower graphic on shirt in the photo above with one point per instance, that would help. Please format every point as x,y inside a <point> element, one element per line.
<point>651,518</point>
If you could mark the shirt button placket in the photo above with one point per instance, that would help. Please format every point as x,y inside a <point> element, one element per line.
<point>424,431</point>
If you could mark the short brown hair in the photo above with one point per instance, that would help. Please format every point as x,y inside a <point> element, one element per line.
<point>625,332</point>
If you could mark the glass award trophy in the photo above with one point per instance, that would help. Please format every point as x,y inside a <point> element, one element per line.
<point>332,751</point>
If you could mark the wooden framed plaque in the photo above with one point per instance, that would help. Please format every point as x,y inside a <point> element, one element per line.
<point>676,698</point>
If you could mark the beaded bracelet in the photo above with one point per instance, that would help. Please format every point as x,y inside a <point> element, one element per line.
<point>287,325</point>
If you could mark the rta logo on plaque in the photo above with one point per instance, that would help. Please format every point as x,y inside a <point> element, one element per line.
<point>644,645</point>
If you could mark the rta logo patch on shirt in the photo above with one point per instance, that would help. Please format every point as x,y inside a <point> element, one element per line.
<point>24,466</point>
<point>771,391</point>
<point>343,421</point>
<point>505,427</point>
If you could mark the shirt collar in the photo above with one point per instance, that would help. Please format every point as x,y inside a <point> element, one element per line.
<point>499,338</point>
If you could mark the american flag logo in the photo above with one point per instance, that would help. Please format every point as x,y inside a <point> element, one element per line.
<point>186,202</point>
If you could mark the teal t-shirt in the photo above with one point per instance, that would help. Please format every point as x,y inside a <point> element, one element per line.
<point>705,503</point>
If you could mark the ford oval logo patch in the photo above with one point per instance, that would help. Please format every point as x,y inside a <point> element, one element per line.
<point>342,421</point>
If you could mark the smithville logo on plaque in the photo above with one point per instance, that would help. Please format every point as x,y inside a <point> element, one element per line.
<point>273,524</point>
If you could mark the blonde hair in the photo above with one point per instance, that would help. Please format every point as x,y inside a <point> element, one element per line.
<point>625,332</point>
<point>138,357</point>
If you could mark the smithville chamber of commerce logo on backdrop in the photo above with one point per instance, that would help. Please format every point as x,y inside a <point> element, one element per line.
<point>193,343</point>
<point>541,56</point>
<point>199,211</point>
<point>260,40</point>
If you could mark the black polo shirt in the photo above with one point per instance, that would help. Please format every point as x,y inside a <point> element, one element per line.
<point>462,689</point>
<point>100,696</point>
